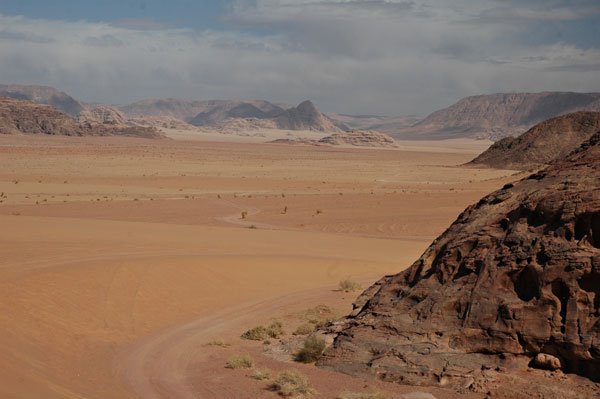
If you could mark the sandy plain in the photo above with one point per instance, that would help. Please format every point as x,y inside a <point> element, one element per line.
<point>121,259</point>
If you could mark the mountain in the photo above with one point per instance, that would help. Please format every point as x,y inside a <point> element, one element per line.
<point>224,110</point>
<point>541,144</point>
<point>496,116</point>
<point>385,124</point>
<point>513,282</point>
<point>104,114</point>
<point>305,117</point>
<point>27,117</point>
<point>43,95</point>
<point>201,112</point>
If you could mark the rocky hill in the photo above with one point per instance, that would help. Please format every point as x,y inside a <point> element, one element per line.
<point>541,144</point>
<point>102,114</point>
<point>43,95</point>
<point>496,116</point>
<point>225,110</point>
<point>201,112</point>
<point>27,117</point>
<point>359,138</point>
<point>305,117</point>
<point>514,282</point>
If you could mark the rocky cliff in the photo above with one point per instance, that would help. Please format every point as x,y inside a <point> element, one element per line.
<point>514,281</point>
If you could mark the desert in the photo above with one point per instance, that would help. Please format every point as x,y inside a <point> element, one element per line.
<point>324,199</point>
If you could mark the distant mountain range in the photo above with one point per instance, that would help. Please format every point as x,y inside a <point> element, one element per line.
<point>496,116</point>
<point>493,116</point>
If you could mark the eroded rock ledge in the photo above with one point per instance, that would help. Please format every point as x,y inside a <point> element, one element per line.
<point>516,275</point>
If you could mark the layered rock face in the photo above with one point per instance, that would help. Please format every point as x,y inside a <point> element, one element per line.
<point>515,276</point>
<point>359,138</point>
<point>26,117</point>
<point>543,143</point>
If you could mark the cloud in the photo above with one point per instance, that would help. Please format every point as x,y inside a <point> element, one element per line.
<point>386,57</point>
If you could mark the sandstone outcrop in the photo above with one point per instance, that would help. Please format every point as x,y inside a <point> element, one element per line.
<point>359,138</point>
<point>305,117</point>
<point>515,276</point>
<point>26,117</point>
<point>543,143</point>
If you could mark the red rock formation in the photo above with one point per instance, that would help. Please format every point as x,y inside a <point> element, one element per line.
<point>543,143</point>
<point>516,275</point>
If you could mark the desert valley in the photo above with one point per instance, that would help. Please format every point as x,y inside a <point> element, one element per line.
<point>134,257</point>
<point>330,199</point>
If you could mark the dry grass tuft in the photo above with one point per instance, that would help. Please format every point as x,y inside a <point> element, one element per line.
<point>348,285</point>
<point>261,375</point>
<point>240,362</point>
<point>292,384</point>
<point>261,333</point>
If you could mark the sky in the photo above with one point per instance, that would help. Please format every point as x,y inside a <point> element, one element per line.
<point>386,57</point>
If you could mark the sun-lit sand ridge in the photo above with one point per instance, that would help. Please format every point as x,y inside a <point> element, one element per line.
<point>121,258</point>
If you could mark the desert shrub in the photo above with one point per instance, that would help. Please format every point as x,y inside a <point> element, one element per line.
<point>240,362</point>
<point>292,384</point>
<point>312,349</point>
<point>261,375</point>
<point>252,227</point>
<point>348,285</point>
<point>275,329</point>
<point>305,329</point>
<point>244,214</point>
<point>361,395</point>
<point>261,333</point>
<point>258,333</point>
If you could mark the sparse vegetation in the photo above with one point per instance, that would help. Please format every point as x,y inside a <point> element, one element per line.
<point>261,375</point>
<point>219,343</point>
<point>275,329</point>
<point>348,285</point>
<point>285,209</point>
<point>305,329</point>
<point>292,384</point>
<point>252,227</point>
<point>240,362</point>
<point>258,333</point>
<point>312,349</point>
<point>318,211</point>
<point>261,333</point>
<point>244,214</point>
<point>362,395</point>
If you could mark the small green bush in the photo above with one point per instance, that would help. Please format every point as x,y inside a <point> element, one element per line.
<point>312,349</point>
<point>240,362</point>
<point>292,384</point>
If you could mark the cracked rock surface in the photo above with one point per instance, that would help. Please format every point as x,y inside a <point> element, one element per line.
<point>516,275</point>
